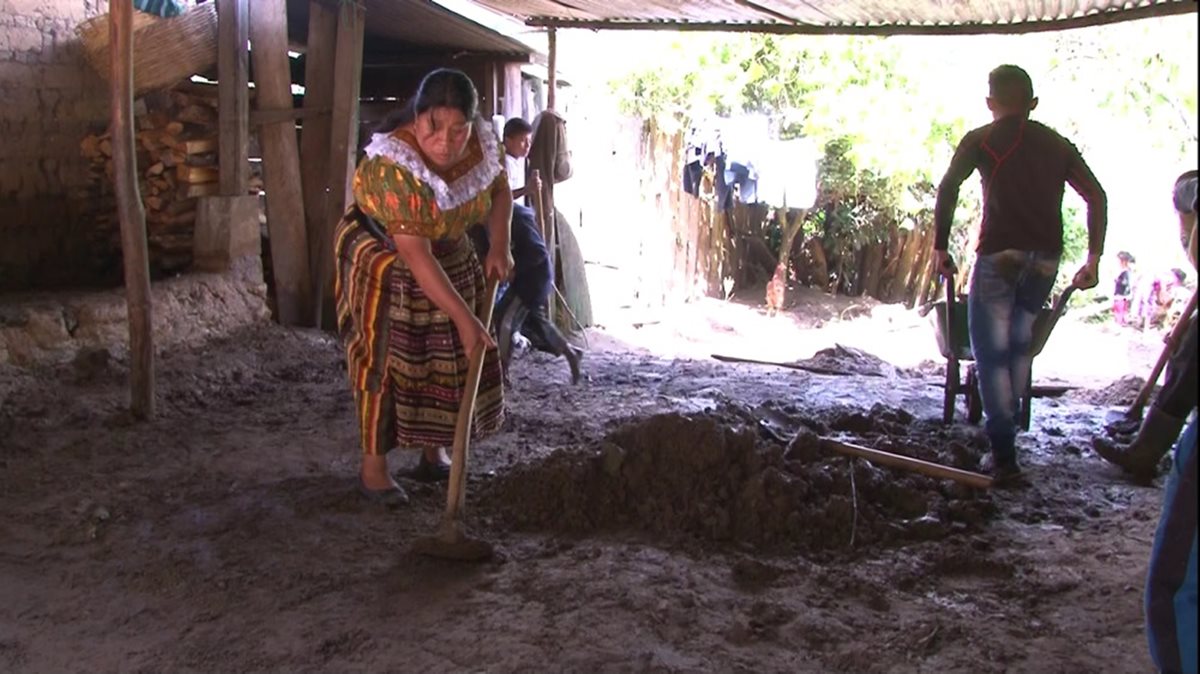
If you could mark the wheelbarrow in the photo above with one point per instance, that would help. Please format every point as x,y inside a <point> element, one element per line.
<point>954,342</point>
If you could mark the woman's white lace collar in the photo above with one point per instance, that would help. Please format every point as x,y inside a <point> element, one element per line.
<point>447,194</point>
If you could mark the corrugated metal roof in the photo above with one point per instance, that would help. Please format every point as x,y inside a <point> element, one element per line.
<point>419,24</point>
<point>837,16</point>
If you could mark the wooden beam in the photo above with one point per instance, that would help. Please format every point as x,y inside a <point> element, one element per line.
<point>343,145</point>
<point>512,90</point>
<point>429,58</point>
<point>315,113</point>
<point>552,85</point>
<point>130,211</point>
<point>314,136</point>
<point>1019,27</point>
<point>489,105</point>
<point>233,95</point>
<point>281,165</point>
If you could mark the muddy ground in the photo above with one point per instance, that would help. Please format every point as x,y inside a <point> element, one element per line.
<point>671,514</point>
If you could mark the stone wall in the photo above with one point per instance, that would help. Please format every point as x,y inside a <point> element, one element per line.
<point>51,99</point>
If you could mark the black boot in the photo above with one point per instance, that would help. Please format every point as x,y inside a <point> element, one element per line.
<point>1141,457</point>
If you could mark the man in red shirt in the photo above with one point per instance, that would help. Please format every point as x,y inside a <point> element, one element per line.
<point>1025,167</point>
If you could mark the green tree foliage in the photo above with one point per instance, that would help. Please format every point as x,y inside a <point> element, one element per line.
<point>889,111</point>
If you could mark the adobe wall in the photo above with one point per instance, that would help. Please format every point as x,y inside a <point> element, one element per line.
<point>51,100</point>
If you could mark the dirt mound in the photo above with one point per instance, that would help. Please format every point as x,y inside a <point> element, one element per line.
<point>847,360</point>
<point>714,476</point>
<point>1120,392</point>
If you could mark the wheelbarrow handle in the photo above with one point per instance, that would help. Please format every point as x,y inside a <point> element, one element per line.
<point>951,300</point>
<point>1060,306</point>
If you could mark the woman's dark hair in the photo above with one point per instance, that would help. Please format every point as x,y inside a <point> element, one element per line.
<point>441,88</point>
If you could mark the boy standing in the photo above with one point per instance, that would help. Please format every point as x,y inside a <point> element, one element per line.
<point>532,282</point>
<point>1024,166</point>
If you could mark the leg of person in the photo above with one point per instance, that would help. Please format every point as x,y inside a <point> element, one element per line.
<point>1034,286</point>
<point>989,310</point>
<point>377,430</point>
<point>1171,591</point>
<point>559,345</point>
<point>533,282</point>
<point>428,363</point>
<point>510,315</point>
<point>1165,416</point>
<point>361,287</point>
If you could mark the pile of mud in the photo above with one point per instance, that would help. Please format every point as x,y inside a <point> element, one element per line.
<point>722,476</point>
<point>1121,392</point>
<point>847,360</point>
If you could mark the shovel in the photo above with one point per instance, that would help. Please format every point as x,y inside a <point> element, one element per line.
<point>451,540</point>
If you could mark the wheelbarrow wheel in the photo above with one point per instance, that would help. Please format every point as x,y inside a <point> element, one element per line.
<point>974,400</point>
<point>952,385</point>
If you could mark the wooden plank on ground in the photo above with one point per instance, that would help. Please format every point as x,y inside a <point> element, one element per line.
<point>281,165</point>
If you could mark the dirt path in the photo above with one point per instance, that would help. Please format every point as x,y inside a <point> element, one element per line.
<point>226,534</point>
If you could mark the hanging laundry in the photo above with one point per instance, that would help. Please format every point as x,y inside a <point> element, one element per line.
<point>693,160</point>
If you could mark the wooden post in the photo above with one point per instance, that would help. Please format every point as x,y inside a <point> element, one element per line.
<point>281,164</point>
<point>552,38</point>
<point>233,95</point>
<point>130,211</point>
<point>314,135</point>
<point>489,106</point>
<point>343,143</point>
<point>512,91</point>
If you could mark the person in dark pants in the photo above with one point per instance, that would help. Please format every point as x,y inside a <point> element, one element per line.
<point>1177,398</point>
<point>1025,167</point>
<point>522,306</point>
<point>1171,581</point>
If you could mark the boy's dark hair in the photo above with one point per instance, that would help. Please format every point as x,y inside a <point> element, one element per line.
<point>441,88</point>
<point>1180,275</point>
<point>516,126</point>
<point>1125,256</point>
<point>1010,86</point>
<point>1185,192</point>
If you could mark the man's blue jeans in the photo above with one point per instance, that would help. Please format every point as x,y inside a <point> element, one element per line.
<point>1007,291</point>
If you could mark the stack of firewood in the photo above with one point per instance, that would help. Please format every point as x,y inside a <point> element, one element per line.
<point>176,141</point>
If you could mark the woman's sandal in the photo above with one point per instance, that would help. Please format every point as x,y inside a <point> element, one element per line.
<point>431,471</point>
<point>388,496</point>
